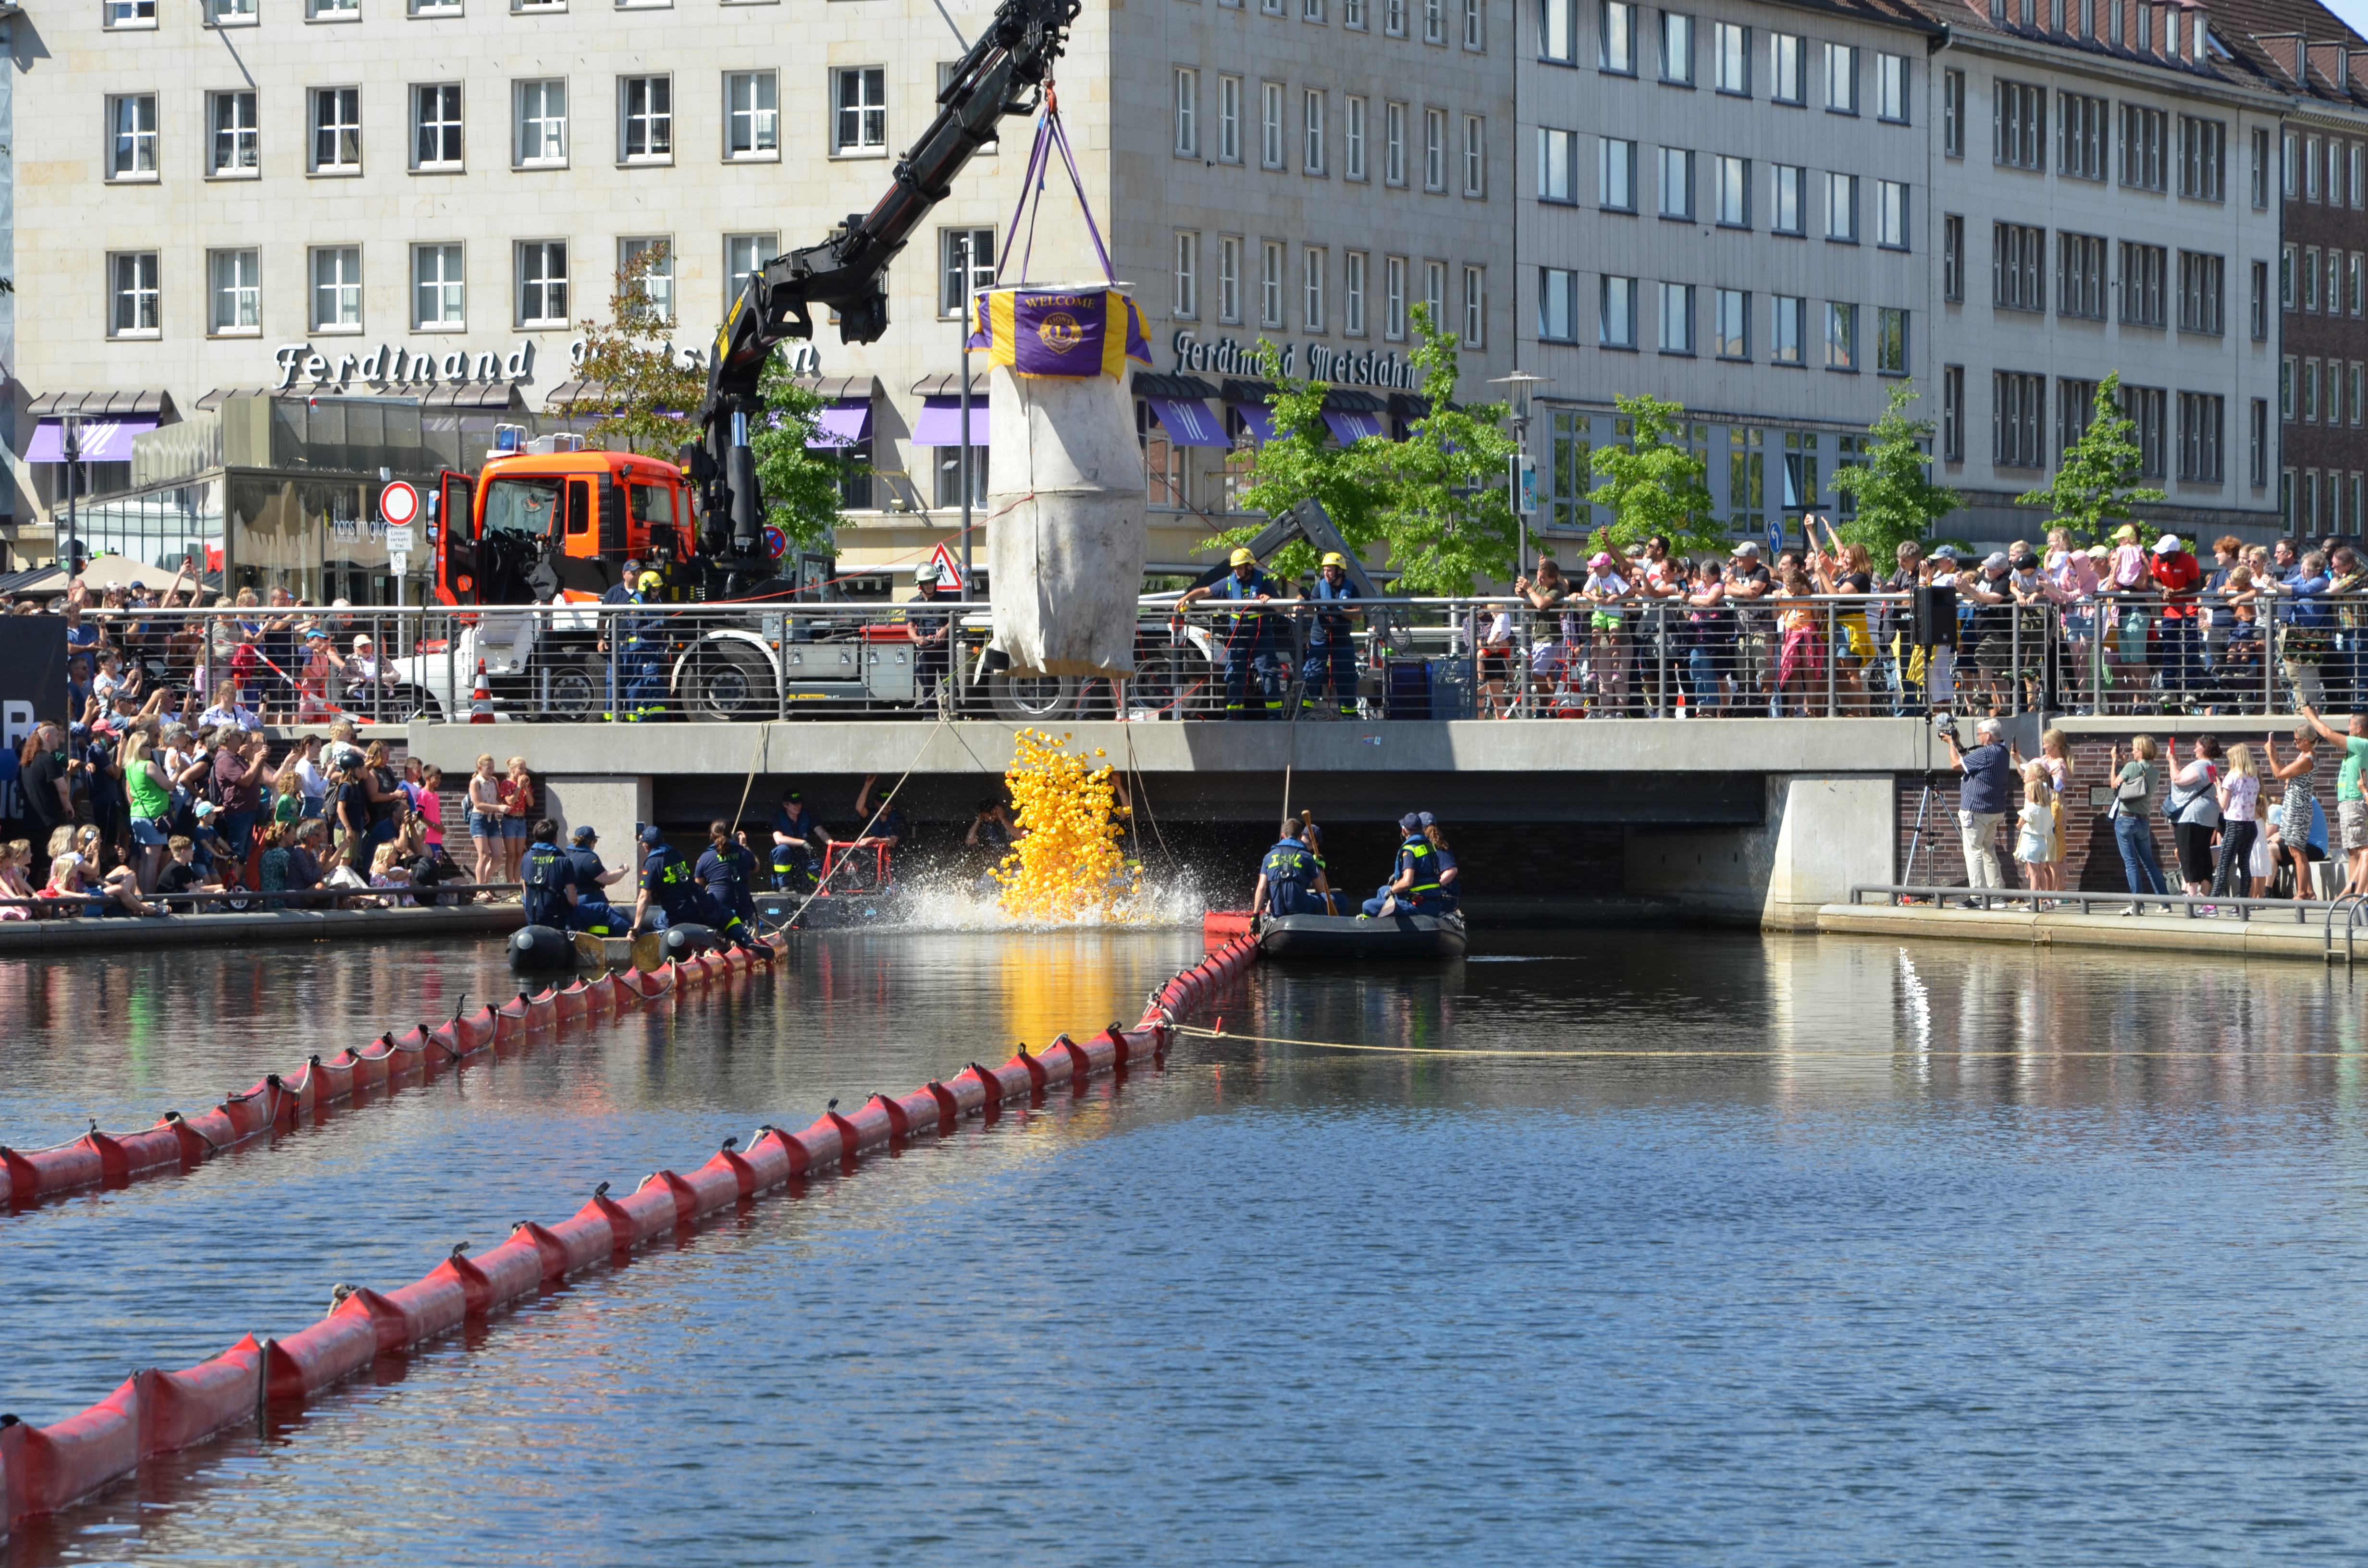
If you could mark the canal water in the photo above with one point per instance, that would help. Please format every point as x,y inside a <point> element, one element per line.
<point>1658,1247</point>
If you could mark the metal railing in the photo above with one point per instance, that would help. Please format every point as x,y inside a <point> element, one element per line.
<point>2074,901</point>
<point>1823,656</point>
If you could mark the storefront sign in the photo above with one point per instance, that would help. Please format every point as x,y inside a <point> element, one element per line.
<point>1227,358</point>
<point>408,367</point>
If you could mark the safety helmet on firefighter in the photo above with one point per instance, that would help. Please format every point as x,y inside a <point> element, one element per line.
<point>650,581</point>
<point>1334,558</point>
<point>1244,558</point>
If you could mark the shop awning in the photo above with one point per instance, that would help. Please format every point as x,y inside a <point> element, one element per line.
<point>101,440</point>
<point>1353,427</point>
<point>841,388</point>
<point>848,423</point>
<point>101,406</point>
<point>1150,383</point>
<point>1188,422</point>
<point>949,384</point>
<point>1258,418</point>
<point>941,421</point>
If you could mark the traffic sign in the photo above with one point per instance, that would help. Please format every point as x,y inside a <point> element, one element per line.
<point>399,538</point>
<point>398,561</point>
<point>398,504</point>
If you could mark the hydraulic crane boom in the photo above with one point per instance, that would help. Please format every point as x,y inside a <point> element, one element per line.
<point>1004,73</point>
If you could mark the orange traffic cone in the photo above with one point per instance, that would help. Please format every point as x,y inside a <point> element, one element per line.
<point>481,700</point>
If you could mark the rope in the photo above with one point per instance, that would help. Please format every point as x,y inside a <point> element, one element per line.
<point>893,790</point>
<point>1614,1052</point>
<point>763,731</point>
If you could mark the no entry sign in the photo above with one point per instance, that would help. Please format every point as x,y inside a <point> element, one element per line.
<point>398,504</point>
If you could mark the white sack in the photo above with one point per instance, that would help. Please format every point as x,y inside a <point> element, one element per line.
<point>1064,547</point>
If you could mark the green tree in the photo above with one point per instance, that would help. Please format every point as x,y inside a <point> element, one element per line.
<point>2096,485</point>
<point>801,483</point>
<point>632,377</point>
<point>1892,482</point>
<point>1652,484</point>
<point>1300,460</point>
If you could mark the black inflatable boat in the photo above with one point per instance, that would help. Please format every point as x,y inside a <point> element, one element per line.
<point>1353,937</point>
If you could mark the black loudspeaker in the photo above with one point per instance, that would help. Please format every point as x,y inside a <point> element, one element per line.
<point>1932,617</point>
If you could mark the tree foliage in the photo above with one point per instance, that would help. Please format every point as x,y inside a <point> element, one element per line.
<point>2096,485</point>
<point>1892,482</point>
<point>801,483</point>
<point>634,378</point>
<point>1652,484</point>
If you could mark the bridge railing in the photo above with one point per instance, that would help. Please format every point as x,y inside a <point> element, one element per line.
<point>1808,655</point>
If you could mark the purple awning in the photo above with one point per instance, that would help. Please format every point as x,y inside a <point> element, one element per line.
<point>1259,419</point>
<point>1350,428</point>
<point>102,441</point>
<point>940,423</point>
<point>1188,422</point>
<point>846,423</point>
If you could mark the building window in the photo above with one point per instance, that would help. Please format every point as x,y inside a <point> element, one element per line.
<point>2201,306</point>
<point>1187,113</point>
<point>1788,331</point>
<point>1394,18</point>
<point>1891,88</point>
<point>2286,278</point>
<point>1619,37</point>
<point>436,126</point>
<point>649,259</point>
<point>2144,406</point>
<point>1434,21</point>
<point>1352,15</point>
<point>1953,414</point>
<point>1352,139</point>
<point>333,10</point>
<point>543,124</point>
<point>2018,265</point>
<point>1475,307</point>
<point>2202,143</point>
<point>1677,301</point>
<point>136,308</point>
<point>234,288</point>
<point>1841,78</point>
<point>1788,199</point>
<point>1677,184</point>
<point>2310,168</point>
<point>2286,389</point>
<point>2257,457</point>
<point>235,147</point>
<point>1434,149</point>
<point>2199,416</point>
<point>2310,278</point>
<point>1312,11</point>
<point>231,13</point>
<point>1558,31</point>
<point>1890,214</point>
<point>1434,293</point>
<point>1952,114</point>
<point>1394,297</point>
<point>1616,325</point>
<point>2358,394</point>
<point>2085,137</point>
<point>426,7</point>
<point>861,124</point>
<point>2141,270</point>
<point>1312,117</point>
<point>1271,124</point>
<point>2261,176</point>
<point>543,283</point>
<point>2018,418</point>
<point>2288,168</point>
<point>2076,406</point>
<point>1229,278</point>
<point>132,144</point>
<point>752,121</point>
<point>2080,276</point>
<point>336,131</point>
<point>1557,305</point>
<point>1730,47</point>
<point>337,289</point>
<point>966,264</point>
<point>1475,25</point>
<point>1617,177</point>
<point>2310,391</point>
<point>744,258</point>
<point>2018,126</point>
<point>1841,208</point>
<point>1841,336</point>
<point>2260,301</point>
<point>1952,258</point>
<point>1677,49</point>
<point>1557,152</point>
<point>1890,342</point>
<point>1788,69</point>
<point>1271,283</point>
<point>438,290</point>
<point>1731,323</point>
<point>2143,133</point>
<point>1352,293</point>
<point>1735,193</point>
<point>1475,156</point>
<point>645,119</point>
<point>1393,145</point>
<point>1229,119</point>
<point>130,13</point>
<point>2355,291</point>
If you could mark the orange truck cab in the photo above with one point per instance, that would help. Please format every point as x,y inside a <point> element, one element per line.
<point>555,524</point>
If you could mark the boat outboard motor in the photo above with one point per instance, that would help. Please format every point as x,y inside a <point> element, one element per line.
<point>541,947</point>
<point>688,941</point>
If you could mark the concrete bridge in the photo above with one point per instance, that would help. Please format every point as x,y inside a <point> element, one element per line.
<point>1750,820</point>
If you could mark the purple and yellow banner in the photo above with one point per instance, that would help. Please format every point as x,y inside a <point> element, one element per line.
<point>1059,332</point>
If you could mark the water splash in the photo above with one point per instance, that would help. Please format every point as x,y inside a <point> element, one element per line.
<point>953,901</point>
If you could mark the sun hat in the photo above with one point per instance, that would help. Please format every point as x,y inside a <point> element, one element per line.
<point>1599,560</point>
<point>2167,545</point>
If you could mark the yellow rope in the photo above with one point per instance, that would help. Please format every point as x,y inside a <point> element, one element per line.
<point>1767,1055</point>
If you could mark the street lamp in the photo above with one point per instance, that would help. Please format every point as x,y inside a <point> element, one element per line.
<point>1521,381</point>
<point>71,428</point>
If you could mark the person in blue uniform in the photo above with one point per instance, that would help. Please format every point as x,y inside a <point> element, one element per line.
<point>668,884</point>
<point>641,650</point>
<point>1451,891</point>
<point>549,893</point>
<point>1331,666</point>
<point>725,871</point>
<point>798,841</point>
<point>1290,879</point>
<point>1249,640</point>
<point>1414,886</point>
<point>593,911</point>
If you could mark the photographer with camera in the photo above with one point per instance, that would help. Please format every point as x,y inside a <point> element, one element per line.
<point>1983,800</point>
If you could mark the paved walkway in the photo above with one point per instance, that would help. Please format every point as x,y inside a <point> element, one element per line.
<point>2269,934</point>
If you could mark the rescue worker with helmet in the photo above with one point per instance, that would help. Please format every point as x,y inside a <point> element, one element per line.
<point>642,651</point>
<point>667,881</point>
<point>1290,879</point>
<point>1414,886</point>
<point>726,870</point>
<point>797,839</point>
<point>1331,650</point>
<point>593,911</point>
<point>1250,641</point>
<point>548,895</point>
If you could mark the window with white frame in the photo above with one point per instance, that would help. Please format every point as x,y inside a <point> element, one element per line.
<point>439,295</point>
<point>859,117</point>
<point>1557,161</point>
<point>1352,293</point>
<point>2202,293</point>
<point>1677,312</point>
<point>436,126</point>
<point>1434,21</point>
<point>231,13</point>
<point>1312,270</point>
<point>1788,69</point>
<point>1891,88</point>
<point>1788,199</point>
<point>543,283</point>
<point>1229,278</point>
<point>1475,155</point>
<point>132,136</point>
<point>2200,416</point>
<point>1841,336</point>
<point>1677,183</point>
<point>1475,25</point>
<point>333,10</point>
<point>1677,49</point>
<point>1618,37</point>
<point>1352,139</point>
<point>1352,15</point>
<point>130,14</point>
<point>745,257</point>
<point>2018,419</point>
<point>1733,179</point>
<point>1731,323</point>
<point>648,259</point>
<point>234,138</point>
<point>542,123</point>
<point>1558,31</point>
<point>1890,214</point>
<point>2202,148</point>
<point>1312,128</point>
<point>1616,175</point>
<point>2080,276</point>
<point>645,119</point>
<point>1952,117</point>
<point>336,288</point>
<point>1434,149</point>
<point>2083,136</point>
<point>1311,11</point>
<point>1394,297</point>
<point>1188,112</point>
<point>1393,145</point>
<point>1394,18</point>
<point>135,301</point>
<point>1271,283</point>
<point>752,118</point>
<point>1557,305</point>
<point>1434,293</point>
<point>1788,328</point>
<point>1730,49</point>
<point>1841,78</point>
<point>421,7</point>
<point>1229,119</point>
<point>235,293</point>
<point>965,265</point>
<point>1187,274</point>
<point>1270,125</point>
<point>336,131</point>
<point>2018,267</point>
<point>2144,132</point>
<point>1616,316</point>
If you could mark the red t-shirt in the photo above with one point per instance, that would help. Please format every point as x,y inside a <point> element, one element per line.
<point>2178,576</point>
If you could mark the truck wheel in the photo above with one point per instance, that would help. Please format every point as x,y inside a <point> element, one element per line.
<point>410,702</point>
<point>575,693</point>
<point>728,682</point>
<point>1027,700</point>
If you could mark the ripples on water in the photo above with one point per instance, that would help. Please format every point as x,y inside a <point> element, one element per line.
<point>1823,1251</point>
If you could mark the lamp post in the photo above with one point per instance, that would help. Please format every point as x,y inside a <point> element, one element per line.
<point>1521,381</point>
<point>71,428</point>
